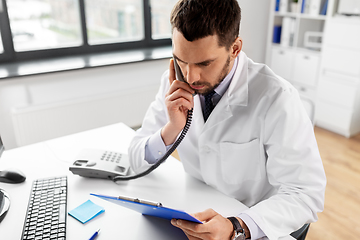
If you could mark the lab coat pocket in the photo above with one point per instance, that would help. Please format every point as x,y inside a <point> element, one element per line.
<point>240,161</point>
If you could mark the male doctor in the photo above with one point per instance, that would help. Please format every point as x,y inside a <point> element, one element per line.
<point>250,137</point>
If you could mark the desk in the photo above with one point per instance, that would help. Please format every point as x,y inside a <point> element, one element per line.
<point>168,184</point>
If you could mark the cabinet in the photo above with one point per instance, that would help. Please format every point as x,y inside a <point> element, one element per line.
<point>320,56</point>
<point>338,98</point>
<point>295,41</point>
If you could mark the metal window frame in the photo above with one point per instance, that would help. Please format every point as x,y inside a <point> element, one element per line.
<point>6,35</point>
<point>10,55</point>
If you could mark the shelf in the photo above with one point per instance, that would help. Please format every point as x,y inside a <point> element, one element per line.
<point>298,31</point>
<point>324,73</point>
<point>318,17</point>
<point>296,49</point>
<point>300,15</point>
<point>288,14</point>
<point>278,45</point>
<point>347,19</point>
<point>307,50</point>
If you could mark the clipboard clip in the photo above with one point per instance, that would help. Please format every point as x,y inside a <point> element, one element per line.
<point>155,204</point>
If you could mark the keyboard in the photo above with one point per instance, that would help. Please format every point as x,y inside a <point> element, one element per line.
<point>46,212</point>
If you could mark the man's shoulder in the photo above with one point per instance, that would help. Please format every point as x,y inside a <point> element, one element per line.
<point>266,79</point>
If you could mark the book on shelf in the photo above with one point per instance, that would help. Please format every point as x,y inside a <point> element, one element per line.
<point>305,6</point>
<point>324,7</point>
<point>287,32</point>
<point>277,5</point>
<point>314,8</point>
<point>277,34</point>
<point>283,6</point>
<point>292,32</point>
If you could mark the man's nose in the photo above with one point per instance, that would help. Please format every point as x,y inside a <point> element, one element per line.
<point>193,74</point>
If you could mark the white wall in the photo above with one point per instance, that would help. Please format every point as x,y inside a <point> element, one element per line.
<point>254,27</point>
<point>20,95</point>
<point>133,86</point>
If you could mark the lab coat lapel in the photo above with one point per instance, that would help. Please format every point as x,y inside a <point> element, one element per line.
<point>236,96</point>
<point>198,118</point>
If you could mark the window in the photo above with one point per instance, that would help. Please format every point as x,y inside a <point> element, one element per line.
<point>43,24</point>
<point>1,45</point>
<point>115,21</point>
<point>160,18</point>
<point>37,29</point>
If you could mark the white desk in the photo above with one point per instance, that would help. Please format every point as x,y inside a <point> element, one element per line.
<point>168,184</point>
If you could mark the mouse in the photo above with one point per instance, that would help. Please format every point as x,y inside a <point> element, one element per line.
<point>12,176</point>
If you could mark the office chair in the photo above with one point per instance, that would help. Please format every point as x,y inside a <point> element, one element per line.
<point>301,233</point>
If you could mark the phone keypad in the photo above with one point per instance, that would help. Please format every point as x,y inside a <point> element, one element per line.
<point>111,157</point>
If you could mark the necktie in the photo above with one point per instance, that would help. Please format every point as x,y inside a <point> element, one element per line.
<point>209,106</point>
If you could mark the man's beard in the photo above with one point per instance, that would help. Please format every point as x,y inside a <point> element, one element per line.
<point>221,78</point>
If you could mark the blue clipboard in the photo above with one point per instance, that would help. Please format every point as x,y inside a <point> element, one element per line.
<point>148,208</point>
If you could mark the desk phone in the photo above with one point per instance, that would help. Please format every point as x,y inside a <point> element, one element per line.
<point>98,163</point>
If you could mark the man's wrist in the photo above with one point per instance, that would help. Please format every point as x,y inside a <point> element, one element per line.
<point>239,229</point>
<point>245,227</point>
<point>168,134</point>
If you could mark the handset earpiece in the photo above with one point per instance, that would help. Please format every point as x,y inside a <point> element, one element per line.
<point>178,73</point>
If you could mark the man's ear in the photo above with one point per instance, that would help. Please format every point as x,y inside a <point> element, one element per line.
<point>236,47</point>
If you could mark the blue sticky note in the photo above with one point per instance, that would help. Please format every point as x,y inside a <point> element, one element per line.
<point>86,211</point>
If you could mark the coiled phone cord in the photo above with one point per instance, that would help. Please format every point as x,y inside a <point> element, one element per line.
<point>166,155</point>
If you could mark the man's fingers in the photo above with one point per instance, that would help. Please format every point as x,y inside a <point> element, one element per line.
<point>172,76</point>
<point>214,226</point>
<point>205,215</point>
<point>176,84</point>
<point>191,227</point>
<point>180,93</point>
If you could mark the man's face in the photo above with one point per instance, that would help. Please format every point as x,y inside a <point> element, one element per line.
<point>203,62</point>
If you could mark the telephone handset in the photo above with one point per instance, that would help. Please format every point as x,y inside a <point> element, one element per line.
<point>117,172</point>
<point>178,73</point>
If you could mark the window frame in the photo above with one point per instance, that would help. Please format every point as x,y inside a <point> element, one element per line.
<point>10,55</point>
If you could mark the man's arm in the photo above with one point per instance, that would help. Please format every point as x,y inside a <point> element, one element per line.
<point>293,166</point>
<point>167,116</point>
<point>178,100</point>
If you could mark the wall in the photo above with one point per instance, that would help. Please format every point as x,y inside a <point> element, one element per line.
<point>22,95</point>
<point>132,86</point>
<point>254,25</point>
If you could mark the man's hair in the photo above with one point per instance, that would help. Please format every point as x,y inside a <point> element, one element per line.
<point>196,19</point>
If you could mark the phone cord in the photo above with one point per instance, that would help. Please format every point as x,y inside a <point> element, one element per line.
<point>163,158</point>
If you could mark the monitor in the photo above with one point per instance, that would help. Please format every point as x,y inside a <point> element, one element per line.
<point>4,197</point>
<point>1,147</point>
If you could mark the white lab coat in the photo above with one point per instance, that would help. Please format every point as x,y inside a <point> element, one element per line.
<point>257,146</point>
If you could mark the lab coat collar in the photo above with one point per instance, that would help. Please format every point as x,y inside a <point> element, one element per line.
<point>237,93</point>
<point>235,96</point>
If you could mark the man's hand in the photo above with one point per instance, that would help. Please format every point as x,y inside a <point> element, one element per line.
<point>178,101</point>
<point>214,227</point>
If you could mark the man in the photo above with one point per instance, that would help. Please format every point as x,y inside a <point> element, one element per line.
<point>257,145</point>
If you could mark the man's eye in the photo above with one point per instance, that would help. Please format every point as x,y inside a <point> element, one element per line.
<point>205,64</point>
<point>181,64</point>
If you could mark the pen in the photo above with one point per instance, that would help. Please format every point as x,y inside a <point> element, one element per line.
<point>140,201</point>
<point>94,235</point>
